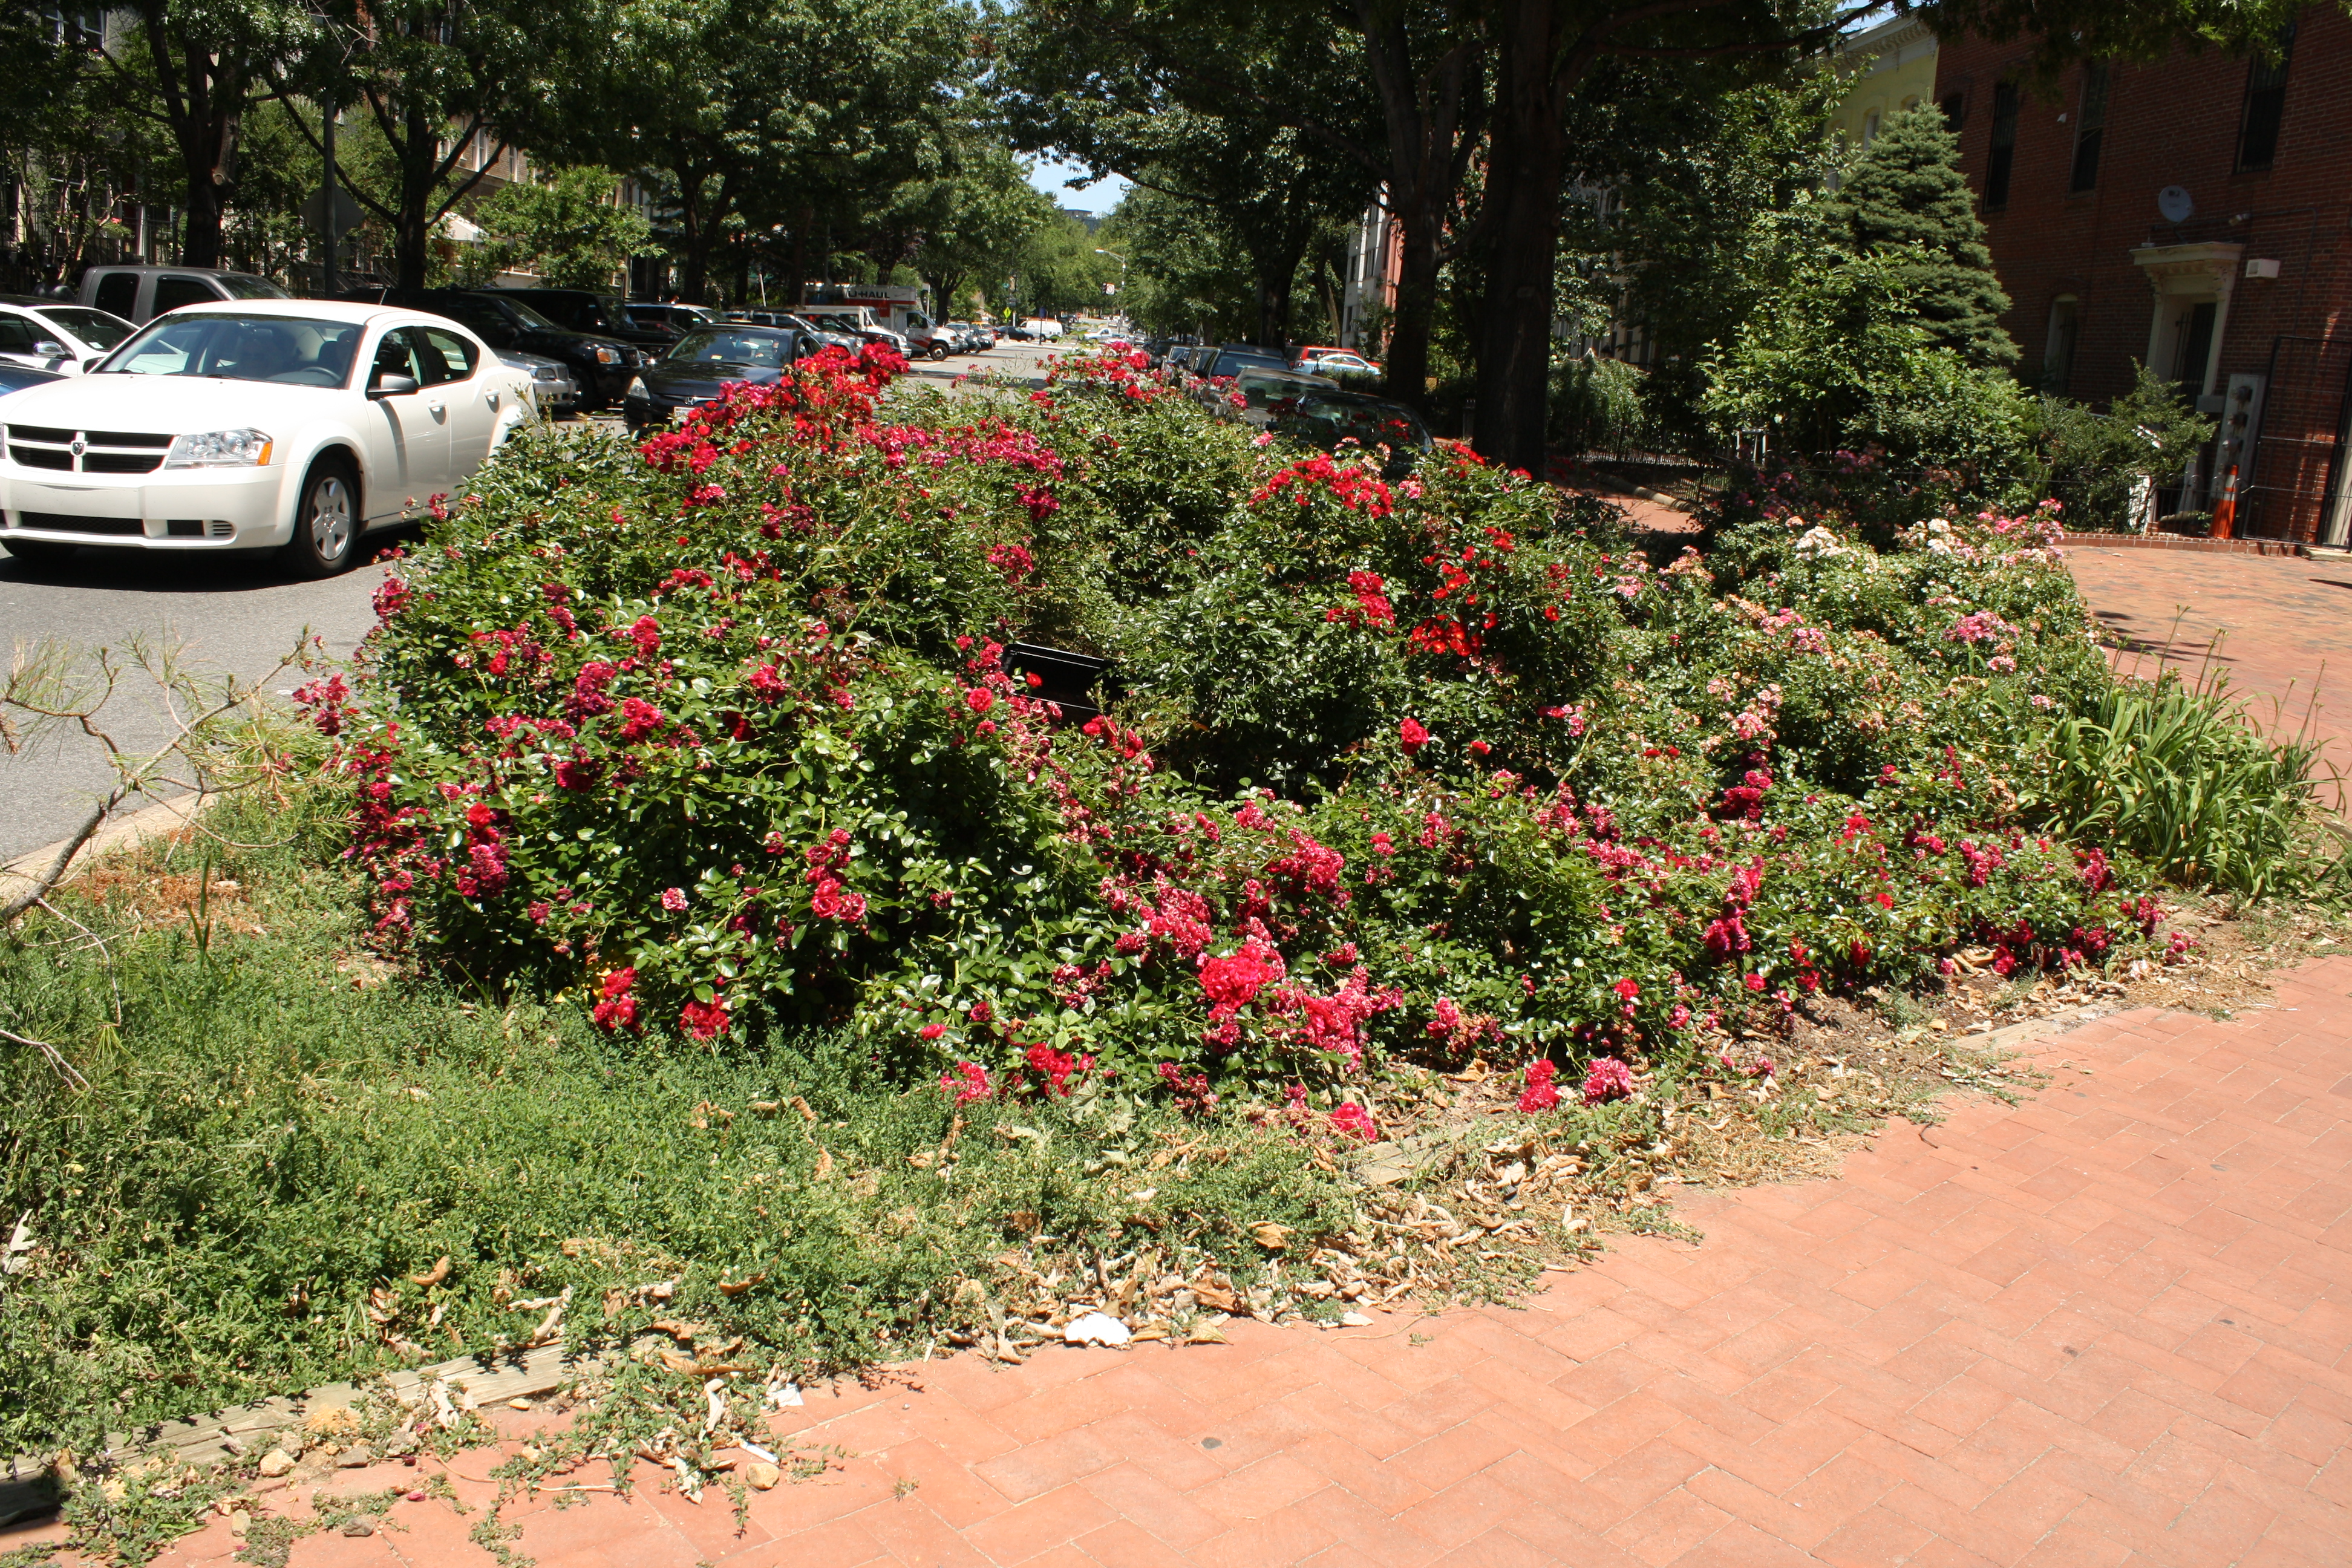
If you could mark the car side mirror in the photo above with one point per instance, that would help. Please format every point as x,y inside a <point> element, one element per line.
<point>51,347</point>
<point>392,386</point>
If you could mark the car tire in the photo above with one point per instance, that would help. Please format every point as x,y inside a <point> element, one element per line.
<point>41,554</point>
<point>939,351</point>
<point>327,521</point>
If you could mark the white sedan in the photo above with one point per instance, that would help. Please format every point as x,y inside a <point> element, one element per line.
<point>286,424</point>
<point>56,334</point>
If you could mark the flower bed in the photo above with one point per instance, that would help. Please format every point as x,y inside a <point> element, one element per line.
<point>713,735</point>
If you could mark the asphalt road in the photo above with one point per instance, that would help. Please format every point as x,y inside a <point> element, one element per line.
<point>223,617</point>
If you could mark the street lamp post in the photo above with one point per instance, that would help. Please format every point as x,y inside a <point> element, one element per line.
<point>1115,256</point>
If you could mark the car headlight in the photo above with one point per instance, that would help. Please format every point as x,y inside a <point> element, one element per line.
<point>246,448</point>
<point>547,373</point>
<point>637,387</point>
<point>607,356</point>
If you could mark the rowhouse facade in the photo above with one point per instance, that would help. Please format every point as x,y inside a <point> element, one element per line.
<point>2194,215</point>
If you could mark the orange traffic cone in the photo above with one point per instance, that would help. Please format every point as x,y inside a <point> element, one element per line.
<point>2225,511</point>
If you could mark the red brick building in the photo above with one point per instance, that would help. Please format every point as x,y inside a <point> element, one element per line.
<point>2196,216</point>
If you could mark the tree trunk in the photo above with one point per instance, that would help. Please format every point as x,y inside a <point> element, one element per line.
<point>1275,276</point>
<point>1418,232</point>
<point>200,238</point>
<point>694,258</point>
<point>412,233</point>
<point>1523,196</point>
<point>1433,119</point>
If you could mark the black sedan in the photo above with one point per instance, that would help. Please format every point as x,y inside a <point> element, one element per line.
<point>704,363</point>
<point>602,365</point>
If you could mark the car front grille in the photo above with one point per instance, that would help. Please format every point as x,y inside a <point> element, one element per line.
<point>60,522</point>
<point>102,451</point>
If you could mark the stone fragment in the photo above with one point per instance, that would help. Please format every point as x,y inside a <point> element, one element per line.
<point>275,1463</point>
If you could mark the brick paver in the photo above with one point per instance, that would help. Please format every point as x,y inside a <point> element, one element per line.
<point>2111,1325</point>
<point>2288,626</point>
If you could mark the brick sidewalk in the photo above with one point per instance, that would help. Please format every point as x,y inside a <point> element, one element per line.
<point>2107,1326</point>
<point>2288,626</point>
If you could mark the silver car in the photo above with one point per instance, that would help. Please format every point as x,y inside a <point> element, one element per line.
<point>551,383</point>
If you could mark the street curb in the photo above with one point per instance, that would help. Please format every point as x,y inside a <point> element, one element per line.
<point>155,821</point>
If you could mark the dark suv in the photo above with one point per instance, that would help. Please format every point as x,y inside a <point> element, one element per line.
<point>599,363</point>
<point>597,314</point>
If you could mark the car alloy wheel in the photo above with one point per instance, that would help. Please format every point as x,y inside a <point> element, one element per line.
<point>330,522</point>
<point>326,524</point>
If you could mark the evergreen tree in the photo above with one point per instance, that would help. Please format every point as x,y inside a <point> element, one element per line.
<point>1907,200</point>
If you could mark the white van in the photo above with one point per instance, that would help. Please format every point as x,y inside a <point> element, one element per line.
<point>140,294</point>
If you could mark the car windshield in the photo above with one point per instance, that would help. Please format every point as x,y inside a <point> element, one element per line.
<point>1326,421</point>
<point>288,350</point>
<point>763,348</point>
<point>531,318</point>
<point>245,286</point>
<point>96,327</point>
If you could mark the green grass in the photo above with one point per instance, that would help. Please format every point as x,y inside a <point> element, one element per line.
<point>268,1154</point>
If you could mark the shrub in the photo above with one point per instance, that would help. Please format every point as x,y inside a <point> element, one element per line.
<point>715,738</point>
<point>1595,406</point>
<point>2095,461</point>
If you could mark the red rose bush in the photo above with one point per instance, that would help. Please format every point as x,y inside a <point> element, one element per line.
<point>714,733</point>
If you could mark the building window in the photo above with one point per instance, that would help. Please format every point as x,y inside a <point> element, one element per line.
<point>2089,122</point>
<point>1955,106</point>
<point>2058,345</point>
<point>2004,145</point>
<point>2266,105</point>
<point>1870,128</point>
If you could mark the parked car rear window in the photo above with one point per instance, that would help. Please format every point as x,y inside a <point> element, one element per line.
<point>246,286</point>
<point>287,350</point>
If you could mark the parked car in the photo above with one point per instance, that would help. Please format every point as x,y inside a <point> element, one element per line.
<point>1314,411</point>
<point>1334,362</point>
<point>140,294</point>
<point>703,363</point>
<point>551,383</point>
<point>786,320</point>
<point>1212,364</point>
<point>594,313</point>
<point>19,377</point>
<point>602,365</point>
<point>50,334</point>
<point>286,424</point>
<point>853,327</point>
<point>676,320</point>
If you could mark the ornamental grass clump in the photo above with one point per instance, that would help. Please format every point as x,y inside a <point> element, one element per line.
<point>715,738</point>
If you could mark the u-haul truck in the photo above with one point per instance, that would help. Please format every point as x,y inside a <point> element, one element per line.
<point>892,308</point>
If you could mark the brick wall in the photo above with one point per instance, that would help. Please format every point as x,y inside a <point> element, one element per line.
<point>2178,123</point>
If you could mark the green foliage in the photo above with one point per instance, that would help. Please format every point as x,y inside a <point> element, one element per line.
<point>1833,361</point>
<point>2096,460</point>
<point>1907,200</point>
<point>273,1132</point>
<point>973,219</point>
<point>2180,775</point>
<point>1596,404</point>
<point>1685,164</point>
<point>568,229</point>
<point>1058,269</point>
